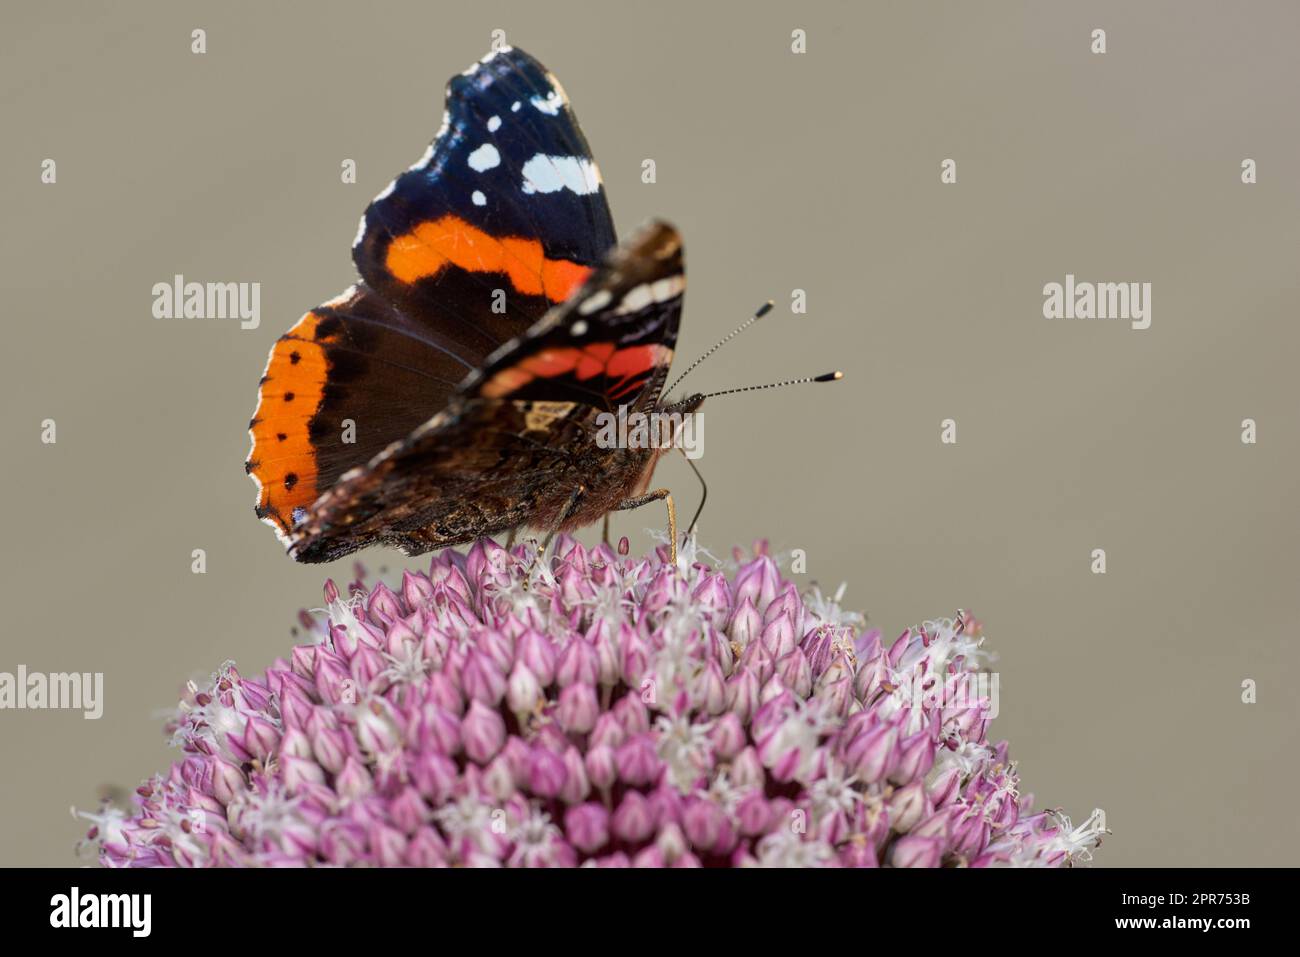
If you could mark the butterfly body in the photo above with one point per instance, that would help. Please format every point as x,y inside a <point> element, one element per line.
<point>456,390</point>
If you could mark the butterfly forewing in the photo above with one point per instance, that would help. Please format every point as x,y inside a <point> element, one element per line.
<point>503,217</point>
<point>611,344</point>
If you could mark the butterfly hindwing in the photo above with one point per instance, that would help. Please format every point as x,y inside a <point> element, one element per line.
<point>351,377</point>
<point>478,468</point>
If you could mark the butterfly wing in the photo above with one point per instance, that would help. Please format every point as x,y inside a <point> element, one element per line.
<point>457,256</point>
<point>347,380</point>
<point>477,468</point>
<point>518,437</point>
<point>503,217</point>
<point>609,345</point>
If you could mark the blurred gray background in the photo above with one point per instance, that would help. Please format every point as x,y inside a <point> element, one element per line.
<point>817,171</point>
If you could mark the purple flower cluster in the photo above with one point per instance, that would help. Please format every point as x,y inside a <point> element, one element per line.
<point>591,708</point>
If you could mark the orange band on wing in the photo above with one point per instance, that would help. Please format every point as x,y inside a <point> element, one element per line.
<point>431,246</point>
<point>283,460</point>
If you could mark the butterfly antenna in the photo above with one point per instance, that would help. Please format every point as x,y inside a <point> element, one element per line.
<point>825,377</point>
<point>762,311</point>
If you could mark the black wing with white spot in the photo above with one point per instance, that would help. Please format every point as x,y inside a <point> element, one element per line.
<point>502,218</point>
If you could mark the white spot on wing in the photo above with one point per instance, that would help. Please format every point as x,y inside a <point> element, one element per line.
<point>636,298</point>
<point>595,302</point>
<point>668,287</point>
<point>478,198</point>
<point>549,174</point>
<point>494,124</point>
<point>661,290</point>
<point>579,328</point>
<point>551,104</point>
<point>514,107</point>
<point>484,158</point>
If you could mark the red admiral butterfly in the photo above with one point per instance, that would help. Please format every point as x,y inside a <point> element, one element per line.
<point>453,392</point>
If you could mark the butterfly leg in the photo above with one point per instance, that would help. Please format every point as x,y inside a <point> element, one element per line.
<point>510,539</point>
<point>570,507</point>
<point>655,496</point>
<point>604,532</point>
<point>564,516</point>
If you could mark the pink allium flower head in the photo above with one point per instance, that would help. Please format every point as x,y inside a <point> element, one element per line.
<point>593,708</point>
